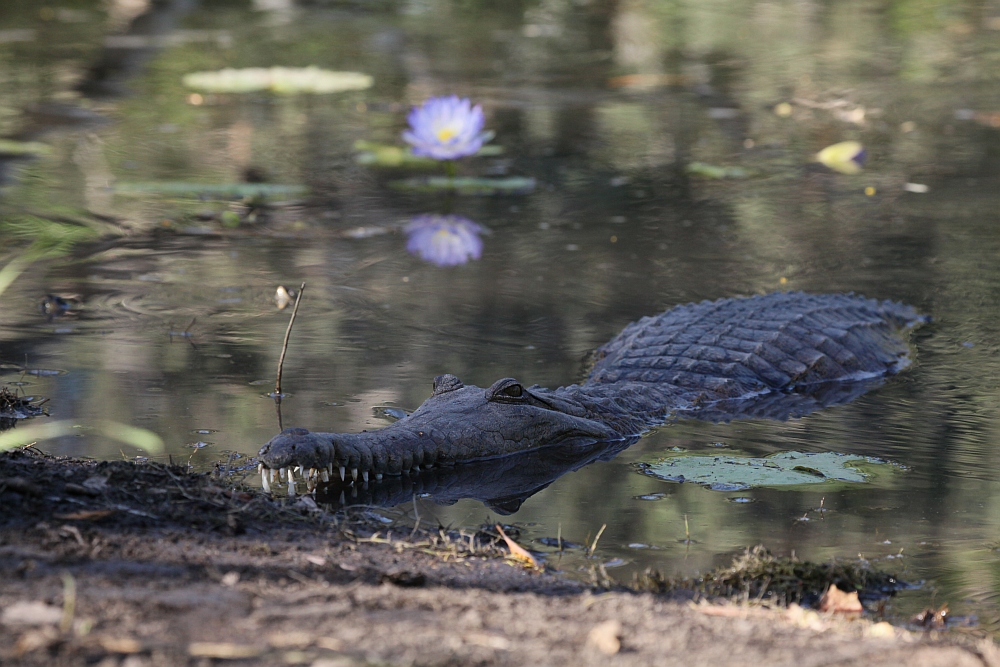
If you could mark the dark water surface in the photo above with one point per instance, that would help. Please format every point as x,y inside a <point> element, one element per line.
<point>605,104</point>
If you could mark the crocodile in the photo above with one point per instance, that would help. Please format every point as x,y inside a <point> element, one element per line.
<point>776,356</point>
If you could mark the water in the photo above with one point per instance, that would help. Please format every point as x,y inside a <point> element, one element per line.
<point>173,325</point>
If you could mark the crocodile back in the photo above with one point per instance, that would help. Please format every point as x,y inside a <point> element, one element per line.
<point>736,348</point>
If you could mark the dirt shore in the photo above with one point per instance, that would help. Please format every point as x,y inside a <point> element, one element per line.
<point>126,564</point>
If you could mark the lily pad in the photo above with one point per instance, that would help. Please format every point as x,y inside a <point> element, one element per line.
<point>511,185</point>
<point>285,80</point>
<point>210,190</point>
<point>706,170</point>
<point>12,148</point>
<point>735,473</point>
<point>372,154</point>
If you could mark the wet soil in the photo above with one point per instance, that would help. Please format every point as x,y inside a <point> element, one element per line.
<point>133,564</point>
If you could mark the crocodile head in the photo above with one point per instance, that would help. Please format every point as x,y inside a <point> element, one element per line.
<point>456,423</point>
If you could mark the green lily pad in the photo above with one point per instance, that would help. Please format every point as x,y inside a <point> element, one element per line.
<point>706,170</point>
<point>23,148</point>
<point>209,190</point>
<point>372,154</point>
<point>285,80</point>
<point>462,185</point>
<point>735,473</point>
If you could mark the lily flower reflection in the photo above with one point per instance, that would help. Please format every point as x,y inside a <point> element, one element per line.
<point>446,128</point>
<point>847,157</point>
<point>445,240</point>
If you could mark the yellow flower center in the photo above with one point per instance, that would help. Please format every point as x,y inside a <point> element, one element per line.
<point>445,133</point>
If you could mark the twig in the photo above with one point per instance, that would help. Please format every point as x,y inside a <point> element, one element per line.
<point>69,602</point>
<point>593,547</point>
<point>284,345</point>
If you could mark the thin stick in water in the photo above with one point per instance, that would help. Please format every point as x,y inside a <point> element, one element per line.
<point>593,547</point>
<point>284,345</point>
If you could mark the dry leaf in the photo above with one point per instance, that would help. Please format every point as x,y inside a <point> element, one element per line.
<point>606,637</point>
<point>837,601</point>
<point>517,552</point>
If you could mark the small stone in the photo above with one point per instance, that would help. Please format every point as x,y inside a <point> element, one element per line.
<point>31,613</point>
<point>606,637</point>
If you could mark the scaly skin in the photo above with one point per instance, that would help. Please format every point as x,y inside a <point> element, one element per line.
<point>718,360</point>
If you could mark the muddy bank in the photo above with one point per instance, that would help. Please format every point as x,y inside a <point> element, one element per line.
<point>144,564</point>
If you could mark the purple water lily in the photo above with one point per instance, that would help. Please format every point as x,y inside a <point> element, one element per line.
<point>445,240</point>
<point>446,128</point>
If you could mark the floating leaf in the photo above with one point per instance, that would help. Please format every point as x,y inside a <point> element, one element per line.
<point>10,147</point>
<point>372,154</point>
<point>285,80</point>
<point>716,172</point>
<point>847,157</point>
<point>512,185</point>
<point>735,473</point>
<point>210,190</point>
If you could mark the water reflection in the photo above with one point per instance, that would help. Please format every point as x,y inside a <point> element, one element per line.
<point>501,484</point>
<point>444,240</point>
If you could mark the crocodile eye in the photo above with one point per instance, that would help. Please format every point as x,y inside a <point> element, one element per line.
<point>513,391</point>
<point>507,390</point>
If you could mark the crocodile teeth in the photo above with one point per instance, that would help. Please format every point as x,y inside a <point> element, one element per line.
<point>416,468</point>
<point>281,473</point>
<point>354,474</point>
<point>343,498</point>
<point>343,473</point>
<point>299,470</point>
<point>265,483</point>
<point>260,468</point>
<point>291,486</point>
<point>378,476</point>
<point>325,475</point>
<point>364,476</point>
<point>311,484</point>
<point>271,472</point>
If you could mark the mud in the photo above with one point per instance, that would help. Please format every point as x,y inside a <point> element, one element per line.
<point>135,564</point>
